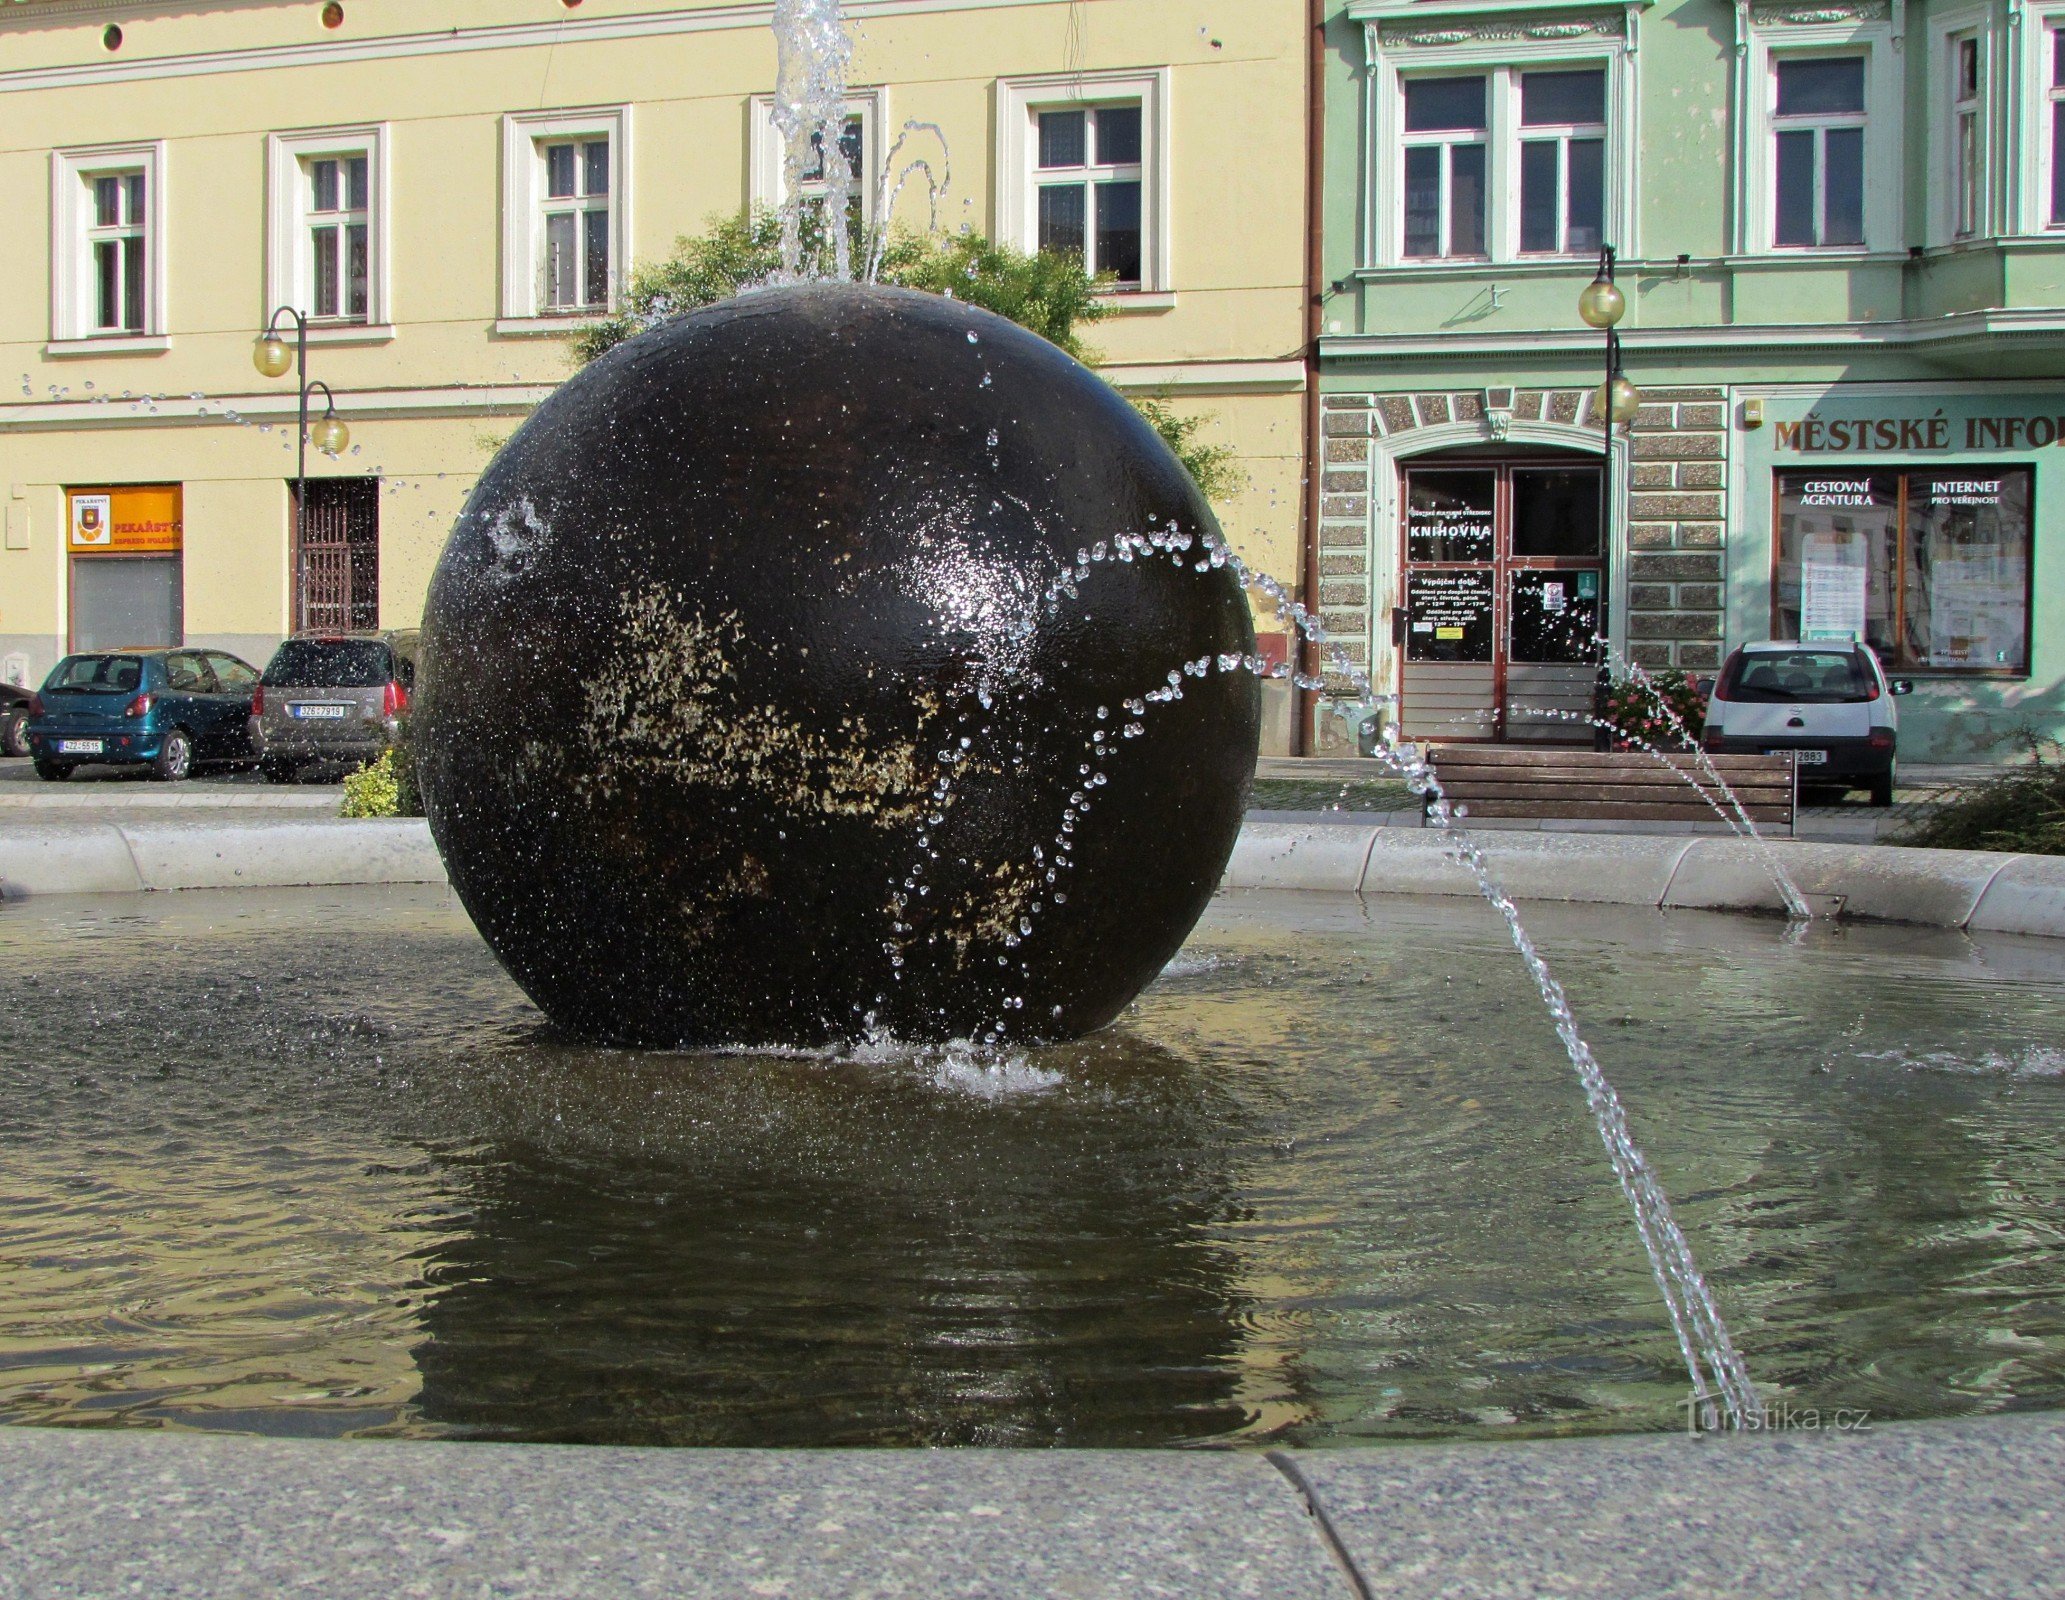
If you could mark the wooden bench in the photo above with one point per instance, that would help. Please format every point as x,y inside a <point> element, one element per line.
<point>1505,780</point>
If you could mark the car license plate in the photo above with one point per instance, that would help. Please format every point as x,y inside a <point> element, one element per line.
<point>79,747</point>
<point>315,713</point>
<point>1811,758</point>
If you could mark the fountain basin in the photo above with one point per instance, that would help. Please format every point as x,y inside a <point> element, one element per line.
<point>1316,1187</point>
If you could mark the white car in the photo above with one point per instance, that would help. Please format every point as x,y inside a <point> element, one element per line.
<point>1830,704</point>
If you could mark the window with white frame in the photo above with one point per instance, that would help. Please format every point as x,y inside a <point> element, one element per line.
<point>864,117</point>
<point>1086,177</point>
<point>339,228</point>
<point>117,240</point>
<point>1551,163</point>
<point>574,231</point>
<point>1482,158</point>
<point>1817,130</point>
<point>328,227</point>
<point>2055,131</point>
<point>1447,162</point>
<point>107,245</point>
<point>565,231</point>
<point>1820,153</point>
<point>1082,167</point>
<point>1967,137</point>
<point>1562,162</point>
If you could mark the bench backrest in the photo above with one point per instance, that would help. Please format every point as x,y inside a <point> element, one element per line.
<point>1558,781</point>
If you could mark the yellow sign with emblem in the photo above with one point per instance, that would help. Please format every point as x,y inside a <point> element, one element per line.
<point>137,520</point>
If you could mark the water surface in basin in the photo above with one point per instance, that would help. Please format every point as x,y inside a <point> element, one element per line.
<point>306,1162</point>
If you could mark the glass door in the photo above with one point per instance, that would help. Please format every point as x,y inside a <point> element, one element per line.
<point>1505,585</point>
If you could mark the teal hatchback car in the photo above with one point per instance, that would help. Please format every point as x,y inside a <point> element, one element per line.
<point>170,710</point>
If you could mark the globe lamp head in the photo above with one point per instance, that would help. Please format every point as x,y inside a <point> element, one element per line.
<point>272,357</point>
<point>1602,304</point>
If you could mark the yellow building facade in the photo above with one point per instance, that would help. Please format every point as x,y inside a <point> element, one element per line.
<point>448,189</point>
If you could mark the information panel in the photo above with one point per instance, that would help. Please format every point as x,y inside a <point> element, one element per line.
<point>1448,616</point>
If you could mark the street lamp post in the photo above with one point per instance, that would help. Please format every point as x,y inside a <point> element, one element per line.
<point>272,358</point>
<point>1602,305</point>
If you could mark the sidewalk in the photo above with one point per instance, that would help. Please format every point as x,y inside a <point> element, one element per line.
<point>109,792</point>
<point>1926,1511</point>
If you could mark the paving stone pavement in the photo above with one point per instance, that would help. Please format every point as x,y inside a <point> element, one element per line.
<point>1923,1511</point>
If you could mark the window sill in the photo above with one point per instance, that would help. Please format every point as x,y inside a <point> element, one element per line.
<point>547,327</point>
<point>128,344</point>
<point>1483,267</point>
<point>350,332</point>
<point>1134,302</point>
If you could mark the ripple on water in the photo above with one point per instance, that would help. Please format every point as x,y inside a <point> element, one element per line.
<point>1328,1181</point>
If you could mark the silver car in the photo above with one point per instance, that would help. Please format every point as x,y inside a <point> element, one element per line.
<point>331,700</point>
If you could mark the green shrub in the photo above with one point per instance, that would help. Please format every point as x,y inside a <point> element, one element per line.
<point>371,790</point>
<point>1049,294</point>
<point>1632,709</point>
<point>2021,809</point>
<point>385,787</point>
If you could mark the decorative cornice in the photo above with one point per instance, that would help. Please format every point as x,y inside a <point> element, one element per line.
<point>566,30</point>
<point>1819,13</point>
<point>1500,30</point>
<point>2040,325</point>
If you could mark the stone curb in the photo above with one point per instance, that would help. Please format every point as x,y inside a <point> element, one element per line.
<point>1925,1510</point>
<point>1982,891</point>
<point>131,856</point>
<point>1977,890</point>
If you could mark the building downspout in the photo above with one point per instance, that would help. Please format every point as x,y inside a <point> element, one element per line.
<point>1305,655</point>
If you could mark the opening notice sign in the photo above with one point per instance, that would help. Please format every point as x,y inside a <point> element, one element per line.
<point>1448,616</point>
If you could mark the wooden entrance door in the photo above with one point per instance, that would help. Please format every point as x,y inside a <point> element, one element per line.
<point>338,565</point>
<point>1505,593</point>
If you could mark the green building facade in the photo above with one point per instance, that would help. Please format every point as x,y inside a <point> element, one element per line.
<point>1840,236</point>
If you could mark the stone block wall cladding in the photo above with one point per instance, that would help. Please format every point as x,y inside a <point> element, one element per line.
<point>1676,517</point>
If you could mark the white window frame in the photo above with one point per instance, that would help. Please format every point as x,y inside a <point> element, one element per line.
<point>73,291</point>
<point>1756,199</point>
<point>289,272</point>
<point>2029,155</point>
<point>1965,211</point>
<point>524,136</point>
<point>765,183</point>
<point>1017,199</point>
<point>1502,61</point>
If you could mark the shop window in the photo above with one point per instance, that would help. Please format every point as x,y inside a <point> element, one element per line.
<point>328,225</point>
<point>1082,169</point>
<point>127,581</point>
<point>1931,567</point>
<point>107,246</point>
<point>1818,151</point>
<point>565,222</point>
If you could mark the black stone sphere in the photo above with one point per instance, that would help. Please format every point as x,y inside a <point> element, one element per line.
<point>744,716</point>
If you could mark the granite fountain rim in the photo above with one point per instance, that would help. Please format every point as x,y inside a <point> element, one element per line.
<point>1973,890</point>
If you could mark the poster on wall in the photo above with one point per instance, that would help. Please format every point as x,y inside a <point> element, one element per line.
<point>1832,601</point>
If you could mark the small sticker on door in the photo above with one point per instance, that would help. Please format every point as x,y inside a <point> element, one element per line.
<point>1552,597</point>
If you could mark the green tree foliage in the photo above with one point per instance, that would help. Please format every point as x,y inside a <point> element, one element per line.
<point>1049,294</point>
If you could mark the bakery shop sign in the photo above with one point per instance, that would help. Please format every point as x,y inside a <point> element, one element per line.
<point>1814,436</point>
